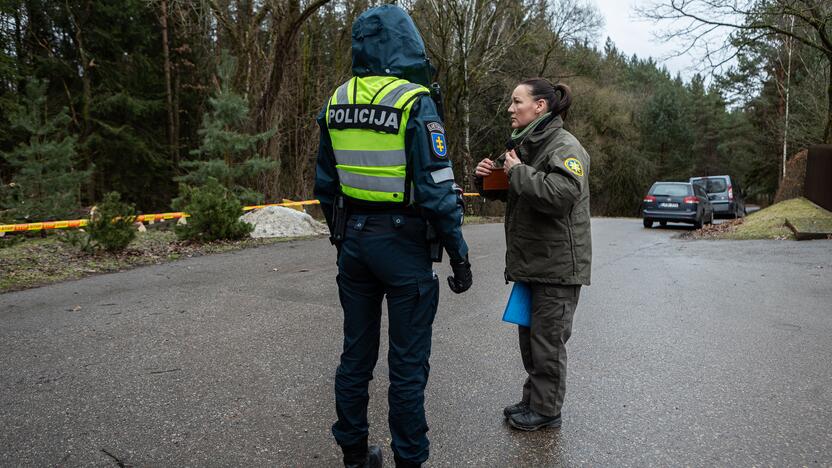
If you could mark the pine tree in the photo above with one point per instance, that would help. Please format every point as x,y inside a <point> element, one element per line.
<point>45,185</point>
<point>227,153</point>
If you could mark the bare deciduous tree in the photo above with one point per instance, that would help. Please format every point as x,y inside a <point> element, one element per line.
<point>569,21</point>
<point>720,29</point>
<point>469,40</point>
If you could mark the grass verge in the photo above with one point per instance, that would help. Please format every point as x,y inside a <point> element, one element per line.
<point>768,223</point>
<point>40,261</point>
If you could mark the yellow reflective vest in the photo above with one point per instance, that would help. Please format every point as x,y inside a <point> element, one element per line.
<point>366,119</point>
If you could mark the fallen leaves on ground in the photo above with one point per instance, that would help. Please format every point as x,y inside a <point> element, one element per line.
<point>713,231</point>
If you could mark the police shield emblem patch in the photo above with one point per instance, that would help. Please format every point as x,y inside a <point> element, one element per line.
<point>574,166</point>
<point>440,147</point>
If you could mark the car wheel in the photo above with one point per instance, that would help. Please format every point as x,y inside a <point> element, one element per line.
<point>648,223</point>
<point>712,218</point>
<point>697,224</point>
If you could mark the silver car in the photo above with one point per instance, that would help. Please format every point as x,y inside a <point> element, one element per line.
<point>724,193</point>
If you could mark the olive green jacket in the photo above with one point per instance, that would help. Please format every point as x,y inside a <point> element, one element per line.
<point>548,238</point>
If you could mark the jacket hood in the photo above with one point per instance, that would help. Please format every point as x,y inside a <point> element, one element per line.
<point>385,42</point>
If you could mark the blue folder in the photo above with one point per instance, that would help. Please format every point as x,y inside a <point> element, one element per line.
<point>519,306</point>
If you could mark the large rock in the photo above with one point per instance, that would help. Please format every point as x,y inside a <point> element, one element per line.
<point>279,221</point>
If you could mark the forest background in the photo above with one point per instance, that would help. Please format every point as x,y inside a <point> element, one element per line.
<point>144,97</point>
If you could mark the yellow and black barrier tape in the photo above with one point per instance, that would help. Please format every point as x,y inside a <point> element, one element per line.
<point>73,224</point>
<point>145,218</point>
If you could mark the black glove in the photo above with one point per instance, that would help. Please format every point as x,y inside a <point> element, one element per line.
<point>462,279</point>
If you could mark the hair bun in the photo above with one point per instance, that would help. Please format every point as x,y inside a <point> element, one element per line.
<point>565,101</point>
<point>541,88</point>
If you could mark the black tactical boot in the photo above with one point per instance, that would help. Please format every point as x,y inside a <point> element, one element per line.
<point>529,420</point>
<point>370,457</point>
<point>404,463</point>
<point>515,409</point>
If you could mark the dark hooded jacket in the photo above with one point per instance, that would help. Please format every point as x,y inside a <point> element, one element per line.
<point>385,42</point>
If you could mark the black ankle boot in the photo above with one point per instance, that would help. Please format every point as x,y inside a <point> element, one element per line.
<point>405,464</point>
<point>362,457</point>
<point>530,420</point>
<point>515,409</point>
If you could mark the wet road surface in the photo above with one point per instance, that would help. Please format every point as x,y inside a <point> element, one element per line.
<point>682,353</point>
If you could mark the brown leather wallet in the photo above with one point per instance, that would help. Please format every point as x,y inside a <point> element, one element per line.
<point>496,181</point>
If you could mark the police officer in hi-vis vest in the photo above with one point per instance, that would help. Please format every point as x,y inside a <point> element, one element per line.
<point>387,189</point>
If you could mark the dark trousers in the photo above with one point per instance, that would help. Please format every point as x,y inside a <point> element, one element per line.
<point>386,255</point>
<point>543,346</point>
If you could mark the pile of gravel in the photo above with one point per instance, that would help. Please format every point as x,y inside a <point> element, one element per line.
<point>279,221</point>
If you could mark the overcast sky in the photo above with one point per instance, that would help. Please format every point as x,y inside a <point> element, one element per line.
<point>634,36</point>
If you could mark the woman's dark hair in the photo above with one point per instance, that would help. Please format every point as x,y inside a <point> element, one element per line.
<point>541,88</point>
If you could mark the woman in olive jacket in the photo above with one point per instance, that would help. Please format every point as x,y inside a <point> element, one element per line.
<point>548,241</point>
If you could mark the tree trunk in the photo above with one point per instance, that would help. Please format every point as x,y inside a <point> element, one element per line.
<point>163,19</point>
<point>788,91</point>
<point>827,134</point>
<point>284,47</point>
<point>464,95</point>
<point>86,96</point>
<point>466,122</point>
<point>176,124</point>
<point>18,50</point>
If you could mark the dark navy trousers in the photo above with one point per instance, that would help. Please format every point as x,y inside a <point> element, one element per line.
<point>386,255</point>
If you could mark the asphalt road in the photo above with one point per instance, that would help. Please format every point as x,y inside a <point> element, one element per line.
<point>699,353</point>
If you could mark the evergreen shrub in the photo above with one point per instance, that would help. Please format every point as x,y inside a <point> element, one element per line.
<point>111,224</point>
<point>214,213</point>
<point>110,227</point>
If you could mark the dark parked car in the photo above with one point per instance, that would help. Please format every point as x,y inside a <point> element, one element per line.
<point>677,202</point>
<point>724,193</point>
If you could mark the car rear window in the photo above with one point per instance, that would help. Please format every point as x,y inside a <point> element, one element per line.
<point>671,190</point>
<point>713,185</point>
